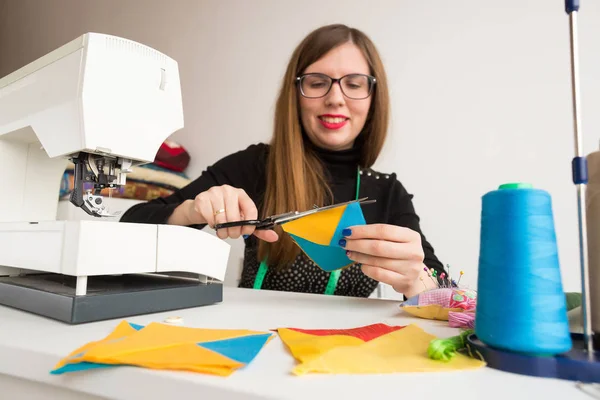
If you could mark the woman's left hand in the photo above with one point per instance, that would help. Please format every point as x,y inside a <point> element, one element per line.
<point>388,253</point>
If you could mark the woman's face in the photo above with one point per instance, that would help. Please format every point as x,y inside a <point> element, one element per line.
<point>334,121</point>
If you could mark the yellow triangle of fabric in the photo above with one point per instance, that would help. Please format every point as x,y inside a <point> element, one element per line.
<point>188,356</point>
<point>305,347</point>
<point>156,336</point>
<point>161,346</point>
<point>122,330</point>
<point>431,311</point>
<point>318,227</point>
<point>404,350</point>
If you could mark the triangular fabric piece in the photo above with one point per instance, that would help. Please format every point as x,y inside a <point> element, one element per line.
<point>135,326</point>
<point>328,258</point>
<point>401,350</point>
<point>82,366</point>
<point>318,227</point>
<point>353,216</point>
<point>156,335</point>
<point>318,235</point>
<point>306,344</point>
<point>365,333</point>
<point>161,346</point>
<point>431,311</point>
<point>242,349</point>
<point>305,347</point>
<point>122,330</point>
<point>185,356</point>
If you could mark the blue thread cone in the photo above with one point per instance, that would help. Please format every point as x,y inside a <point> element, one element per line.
<point>521,305</point>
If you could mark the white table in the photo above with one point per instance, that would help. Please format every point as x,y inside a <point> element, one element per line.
<point>30,346</point>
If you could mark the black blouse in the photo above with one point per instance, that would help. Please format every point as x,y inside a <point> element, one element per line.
<point>246,170</point>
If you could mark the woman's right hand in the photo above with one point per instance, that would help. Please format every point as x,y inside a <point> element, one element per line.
<point>225,203</point>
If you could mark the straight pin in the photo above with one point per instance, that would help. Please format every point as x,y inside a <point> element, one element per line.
<point>436,280</point>
<point>429,275</point>
<point>460,277</point>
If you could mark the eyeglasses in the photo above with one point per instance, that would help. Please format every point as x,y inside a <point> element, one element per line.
<point>354,86</point>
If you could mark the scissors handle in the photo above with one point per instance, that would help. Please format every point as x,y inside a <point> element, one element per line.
<point>259,224</point>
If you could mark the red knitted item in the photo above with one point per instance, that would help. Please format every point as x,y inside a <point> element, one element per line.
<point>172,156</point>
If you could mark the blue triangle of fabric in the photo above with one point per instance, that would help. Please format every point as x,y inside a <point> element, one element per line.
<point>242,349</point>
<point>328,258</point>
<point>352,216</point>
<point>135,326</point>
<point>82,366</point>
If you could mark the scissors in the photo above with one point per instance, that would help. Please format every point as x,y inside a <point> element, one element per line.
<point>279,219</point>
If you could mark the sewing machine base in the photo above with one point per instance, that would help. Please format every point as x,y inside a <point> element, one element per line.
<point>576,365</point>
<point>108,297</point>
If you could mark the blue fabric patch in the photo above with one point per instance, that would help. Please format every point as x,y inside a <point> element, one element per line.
<point>352,216</point>
<point>135,326</point>
<point>242,349</point>
<point>82,366</point>
<point>328,258</point>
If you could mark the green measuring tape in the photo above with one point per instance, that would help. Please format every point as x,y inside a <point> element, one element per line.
<point>334,276</point>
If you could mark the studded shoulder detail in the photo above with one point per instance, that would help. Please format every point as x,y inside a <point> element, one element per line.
<point>368,172</point>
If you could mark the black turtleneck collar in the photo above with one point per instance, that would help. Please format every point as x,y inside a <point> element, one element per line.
<point>341,164</point>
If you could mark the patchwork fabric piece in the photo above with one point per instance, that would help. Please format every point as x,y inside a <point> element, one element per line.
<point>464,320</point>
<point>371,349</point>
<point>439,303</point>
<point>318,234</point>
<point>169,347</point>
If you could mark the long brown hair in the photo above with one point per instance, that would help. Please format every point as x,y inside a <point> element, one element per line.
<point>295,179</point>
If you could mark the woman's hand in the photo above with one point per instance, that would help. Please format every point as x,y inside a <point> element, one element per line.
<point>390,254</point>
<point>222,204</point>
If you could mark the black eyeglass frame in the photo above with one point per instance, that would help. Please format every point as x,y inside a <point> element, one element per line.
<point>372,82</point>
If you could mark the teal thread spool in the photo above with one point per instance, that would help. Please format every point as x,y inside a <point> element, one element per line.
<point>521,304</point>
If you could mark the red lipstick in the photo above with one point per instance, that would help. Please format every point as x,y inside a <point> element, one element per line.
<point>324,120</point>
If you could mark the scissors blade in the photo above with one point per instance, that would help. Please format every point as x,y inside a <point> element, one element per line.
<point>296,215</point>
<point>266,223</point>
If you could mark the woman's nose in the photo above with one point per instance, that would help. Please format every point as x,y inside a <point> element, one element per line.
<point>335,95</point>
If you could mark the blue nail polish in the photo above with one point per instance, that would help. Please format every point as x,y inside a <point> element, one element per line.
<point>246,236</point>
<point>342,242</point>
<point>347,232</point>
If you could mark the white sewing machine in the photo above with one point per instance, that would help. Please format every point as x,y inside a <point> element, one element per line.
<point>106,104</point>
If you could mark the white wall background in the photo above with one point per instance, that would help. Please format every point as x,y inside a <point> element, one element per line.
<point>480,89</point>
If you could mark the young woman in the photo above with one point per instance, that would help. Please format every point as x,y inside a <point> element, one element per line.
<point>331,121</point>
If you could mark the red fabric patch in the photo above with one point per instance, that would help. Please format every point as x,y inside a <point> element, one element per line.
<point>172,156</point>
<point>365,333</point>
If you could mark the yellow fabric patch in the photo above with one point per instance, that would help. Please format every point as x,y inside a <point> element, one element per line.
<point>431,311</point>
<point>403,350</point>
<point>318,228</point>
<point>306,347</point>
<point>122,330</point>
<point>188,357</point>
<point>161,346</point>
